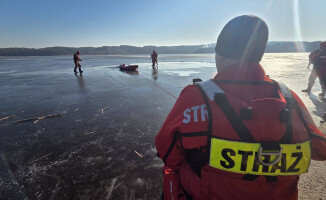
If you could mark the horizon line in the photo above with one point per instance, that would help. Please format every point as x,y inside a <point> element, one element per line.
<point>145,45</point>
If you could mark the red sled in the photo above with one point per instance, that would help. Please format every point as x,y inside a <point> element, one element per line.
<point>124,67</point>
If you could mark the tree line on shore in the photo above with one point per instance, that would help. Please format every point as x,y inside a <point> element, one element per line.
<point>272,47</point>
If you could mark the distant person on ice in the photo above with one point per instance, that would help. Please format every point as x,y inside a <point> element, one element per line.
<point>317,58</point>
<point>77,64</point>
<point>313,75</point>
<point>154,56</point>
<point>240,135</point>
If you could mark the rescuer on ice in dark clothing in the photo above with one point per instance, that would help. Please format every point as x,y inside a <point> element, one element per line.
<point>239,135</point>
<point>314,75</point>
<point>154,56</point>
<point>319,62</point>
<point>77,64</point>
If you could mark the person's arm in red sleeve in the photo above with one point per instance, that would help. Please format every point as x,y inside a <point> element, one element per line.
<point>318,139</point>
<point>167,140</point>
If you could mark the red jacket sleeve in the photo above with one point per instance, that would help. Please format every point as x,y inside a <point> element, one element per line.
<point>167,140</point>
<point>318,139</point>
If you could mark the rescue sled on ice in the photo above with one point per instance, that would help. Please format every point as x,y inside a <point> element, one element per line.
<point>124,67</point>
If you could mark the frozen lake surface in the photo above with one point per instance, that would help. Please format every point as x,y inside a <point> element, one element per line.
<point>102,147</point>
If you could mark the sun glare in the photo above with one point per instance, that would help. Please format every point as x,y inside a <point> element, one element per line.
<point>297,26</point>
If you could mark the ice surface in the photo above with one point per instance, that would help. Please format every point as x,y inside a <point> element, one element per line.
<point>87,154</point>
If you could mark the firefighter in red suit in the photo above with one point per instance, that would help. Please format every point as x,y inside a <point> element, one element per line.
<point>319,62</point>
<point>313,57</point>
<point>239,135</point>
<point>77,64</point>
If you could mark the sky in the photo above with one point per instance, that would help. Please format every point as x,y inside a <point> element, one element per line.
<point>72,23</point>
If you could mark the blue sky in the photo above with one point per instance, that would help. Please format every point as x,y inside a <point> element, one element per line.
<point>45,23</point>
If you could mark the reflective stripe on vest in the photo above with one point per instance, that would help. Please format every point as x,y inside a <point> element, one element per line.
<point>252,158</point>
<point>241,157</point>
<point>210,88</point>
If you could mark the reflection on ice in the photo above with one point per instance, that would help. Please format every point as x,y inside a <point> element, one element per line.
<point>133,73</point>
<point>182,73</point>
<point>155,73</point>
<point>80,81</point>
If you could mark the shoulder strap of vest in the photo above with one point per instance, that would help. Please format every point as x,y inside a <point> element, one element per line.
<point>299,111</point>
<point>292,104</point>
<point>210,88</point>
<point>204,88</point>
<point>214,92</point>
<point>286,92</point>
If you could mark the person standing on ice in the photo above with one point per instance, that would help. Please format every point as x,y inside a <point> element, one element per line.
<point>154,56</point>
<point>313,75</point>
<point>239,135</point>
<point>77,64</point>
<point>319,62</point>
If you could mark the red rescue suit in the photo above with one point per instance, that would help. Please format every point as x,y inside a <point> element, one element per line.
<point>185,132</point>
<point>77,64</point>
<point>76,59</point>
<point>319,62</point>
<point>154,56</point>
<point>312,55</point>
<point>313,74</point>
